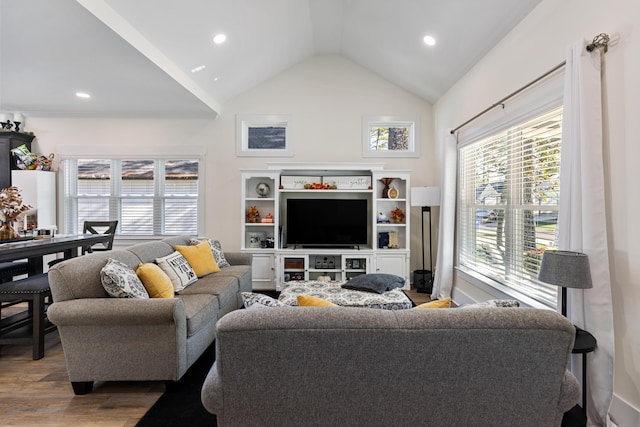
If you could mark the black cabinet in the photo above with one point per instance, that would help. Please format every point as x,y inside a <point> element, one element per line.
<point>8,141</point>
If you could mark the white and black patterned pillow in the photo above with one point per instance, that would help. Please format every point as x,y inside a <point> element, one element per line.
<point>493,303</point>
<point>178,269</point>
<point>251,298</point>
<point>120,281</point>
<point>216,249</point>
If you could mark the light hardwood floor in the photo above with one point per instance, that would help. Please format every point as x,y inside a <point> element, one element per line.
<point>38,392</point>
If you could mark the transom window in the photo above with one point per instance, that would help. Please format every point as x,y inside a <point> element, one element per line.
<point>508,205</point>
<point>147,196</point>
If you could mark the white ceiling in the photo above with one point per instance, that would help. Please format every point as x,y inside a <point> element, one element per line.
<point>135,56</point>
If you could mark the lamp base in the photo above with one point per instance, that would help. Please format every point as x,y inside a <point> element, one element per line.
<point>423,281</point>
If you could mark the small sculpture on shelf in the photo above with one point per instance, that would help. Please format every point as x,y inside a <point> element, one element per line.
<point>385,190</point>
<point>263,189</point>
<point>253,215</point>
<point>382,218</point>
<point>397,216</point>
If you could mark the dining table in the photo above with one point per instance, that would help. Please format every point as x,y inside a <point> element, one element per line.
<point>34,249</point>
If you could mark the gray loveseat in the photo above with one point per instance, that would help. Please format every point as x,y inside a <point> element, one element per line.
<point>330,366</point>
<point>123,339</point>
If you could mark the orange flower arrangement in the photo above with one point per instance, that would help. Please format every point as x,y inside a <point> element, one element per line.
<point>253,215</point>
<point>397,215</point>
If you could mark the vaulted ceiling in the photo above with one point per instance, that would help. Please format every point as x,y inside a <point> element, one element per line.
<point>135,57</point>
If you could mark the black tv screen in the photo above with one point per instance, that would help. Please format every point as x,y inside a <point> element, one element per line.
<point>326,222</point>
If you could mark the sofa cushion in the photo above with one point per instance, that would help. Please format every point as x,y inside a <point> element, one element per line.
<point>216,249</point>
<point>149,251</point>
<point>377,282</point>
<point>120,281</point>
<point>251,298</point>
<point>226,288</point>
<point>155,281</point>
<point>200,258</point>
<point>200,310</point>
<point>178,270</point>
<point>438,303</point>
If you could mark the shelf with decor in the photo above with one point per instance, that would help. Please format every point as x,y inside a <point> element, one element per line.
<point>259,204</point>
<point>391,196</point>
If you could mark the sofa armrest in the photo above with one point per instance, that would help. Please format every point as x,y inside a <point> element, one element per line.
<point>117,311</point>
<point>238,258</point>
<point>211,393</point>
<point>569,393</point>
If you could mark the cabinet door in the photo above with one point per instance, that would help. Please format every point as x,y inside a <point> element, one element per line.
<point>263,272</point>
<point>397,263</point>
<point>5,164</point>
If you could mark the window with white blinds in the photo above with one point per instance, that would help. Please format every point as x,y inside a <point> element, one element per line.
<point>147,196</point>
<point>508,204</point>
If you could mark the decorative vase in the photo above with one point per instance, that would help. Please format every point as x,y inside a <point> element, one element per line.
<point>7,232</point>
<point>385,190</point>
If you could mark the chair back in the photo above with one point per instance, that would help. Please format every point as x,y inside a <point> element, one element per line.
<point>100,227</point>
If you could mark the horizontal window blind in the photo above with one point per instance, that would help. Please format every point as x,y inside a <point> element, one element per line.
<point>508,204</point>
<point>146,196</point>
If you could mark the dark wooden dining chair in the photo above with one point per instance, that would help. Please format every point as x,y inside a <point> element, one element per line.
<point>100,227</point>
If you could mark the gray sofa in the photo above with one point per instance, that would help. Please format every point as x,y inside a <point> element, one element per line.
<point>122,339</point>
<point>330,366</point>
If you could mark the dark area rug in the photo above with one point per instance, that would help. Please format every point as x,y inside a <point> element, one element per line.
<point>180,404</point>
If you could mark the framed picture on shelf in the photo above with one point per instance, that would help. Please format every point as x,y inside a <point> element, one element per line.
<point>355,263</point>
<point>263,136</point>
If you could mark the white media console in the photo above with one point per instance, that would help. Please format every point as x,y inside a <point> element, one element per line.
<point>275,261</point>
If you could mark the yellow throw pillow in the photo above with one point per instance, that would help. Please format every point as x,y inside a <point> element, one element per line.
<point>200,258</point>
<point>309,301</point>
<point>439,303</point>
<point>155,281</point>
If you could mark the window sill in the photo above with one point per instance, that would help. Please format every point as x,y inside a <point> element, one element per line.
<point>498,290</point>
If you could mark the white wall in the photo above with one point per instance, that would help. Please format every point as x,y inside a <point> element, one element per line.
<point>325,97</point>
<point>535,46</point>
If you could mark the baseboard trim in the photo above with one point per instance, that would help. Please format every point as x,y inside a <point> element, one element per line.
<point>624,414</point>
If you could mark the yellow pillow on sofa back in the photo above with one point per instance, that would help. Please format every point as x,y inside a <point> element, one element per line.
<point>438,303</point>
<point>200,258</point>
<point>155,281</point>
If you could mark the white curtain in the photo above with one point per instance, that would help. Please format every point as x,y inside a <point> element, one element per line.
<point>582,221</point>
<point>443,279</point>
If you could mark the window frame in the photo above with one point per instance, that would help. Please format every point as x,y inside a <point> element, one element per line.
<point>410,123</point>
<point>160,154</point>
<point>532,103</point>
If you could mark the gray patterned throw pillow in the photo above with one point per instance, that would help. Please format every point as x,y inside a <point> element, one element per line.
<point>120,281</point>
<point>251,298</point>
<point>216,249</point>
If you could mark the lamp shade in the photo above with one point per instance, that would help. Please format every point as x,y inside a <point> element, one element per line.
<point>425,196</point>
<point>566,269</point>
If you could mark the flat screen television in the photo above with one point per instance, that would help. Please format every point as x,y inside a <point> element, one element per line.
<point>326,222</point>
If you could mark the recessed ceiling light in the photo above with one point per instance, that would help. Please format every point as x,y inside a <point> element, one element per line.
<point>219,38</point>
<point>198,68</point>
<point>83,95</point>
<point>429,41</point>
<point>215,79</point>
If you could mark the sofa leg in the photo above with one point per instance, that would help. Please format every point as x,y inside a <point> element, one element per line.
<point>82,387</point>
